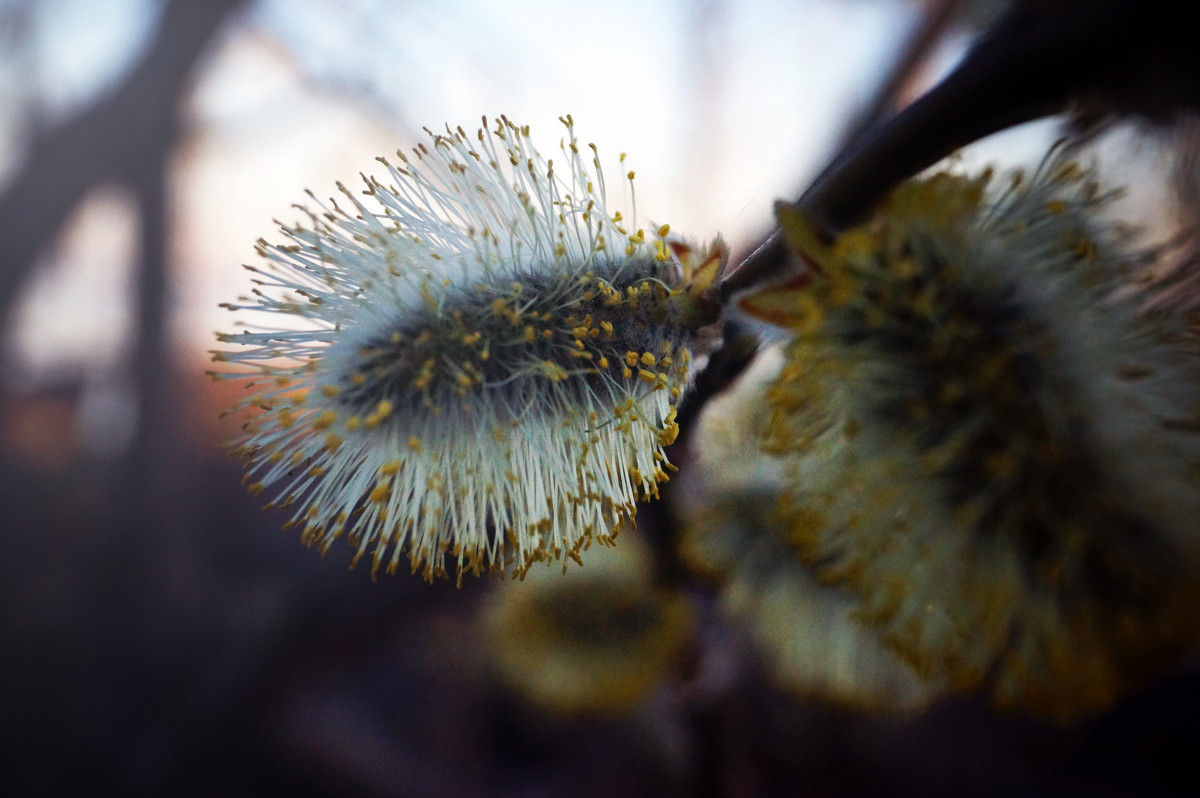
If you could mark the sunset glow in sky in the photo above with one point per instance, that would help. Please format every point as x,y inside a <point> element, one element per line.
<point>722,107</point>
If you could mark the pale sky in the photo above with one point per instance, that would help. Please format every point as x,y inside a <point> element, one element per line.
<point>718,120</point>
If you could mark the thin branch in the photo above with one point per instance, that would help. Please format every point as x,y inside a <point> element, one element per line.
<point>1041,58</point>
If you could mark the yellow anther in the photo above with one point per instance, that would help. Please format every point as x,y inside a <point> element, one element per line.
<point>646,376</point>
<point>662,231</point>
<point>330,390</point>
<point>648,359</point>
<point>381,493</point>
<point>325,420</point>
<point>555,372</point>
<point>603,363</point>
<point>414,443</point>
<point>631,359</point>
<point>353,422</point>
<point>607,327</point>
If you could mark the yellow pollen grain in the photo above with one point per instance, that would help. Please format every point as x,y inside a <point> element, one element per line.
<point>330,390</point>
<point>414,443</point>
<point>390,468</point>
<point>353,422</point>
<point>325,420</point>
<point>381,493</point>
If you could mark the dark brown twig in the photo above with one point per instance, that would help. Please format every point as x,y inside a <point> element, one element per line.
<point>1042,58</point>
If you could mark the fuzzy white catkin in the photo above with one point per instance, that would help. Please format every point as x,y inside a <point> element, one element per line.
<point>478,361</point>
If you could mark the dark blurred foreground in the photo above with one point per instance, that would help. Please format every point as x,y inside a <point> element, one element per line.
<point>198,650</point>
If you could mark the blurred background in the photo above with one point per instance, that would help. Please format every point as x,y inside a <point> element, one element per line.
<point>159,634</point>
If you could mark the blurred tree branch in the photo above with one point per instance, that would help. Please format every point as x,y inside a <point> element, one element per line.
<point>1100,58</point>
<point>116,139</point>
